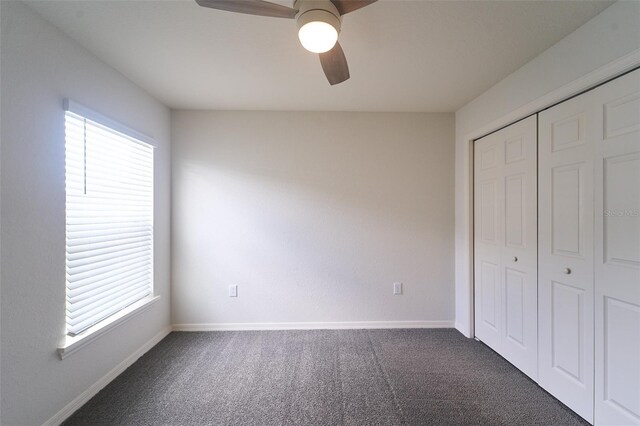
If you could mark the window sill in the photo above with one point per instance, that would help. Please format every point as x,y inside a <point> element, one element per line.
<point>74,343</point>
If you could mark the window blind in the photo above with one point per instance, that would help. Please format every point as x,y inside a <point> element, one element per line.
<point>109,221</point>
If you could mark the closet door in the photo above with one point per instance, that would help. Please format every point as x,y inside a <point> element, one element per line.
<point>566,136</point>
<point>505,241</point>
<point>617,254</point>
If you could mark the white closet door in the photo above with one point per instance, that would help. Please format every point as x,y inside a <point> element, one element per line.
<point>488,238</point>
<point>565,241</point>
<point>617,254</point>
<point>505,259</point>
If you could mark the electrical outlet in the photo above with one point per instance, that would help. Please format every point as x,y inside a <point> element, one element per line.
<point>233,291</point>
<point>397,288</point>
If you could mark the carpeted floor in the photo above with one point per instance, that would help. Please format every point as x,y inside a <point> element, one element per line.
<point>322,377</point>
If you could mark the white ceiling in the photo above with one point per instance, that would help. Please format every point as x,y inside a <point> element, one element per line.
<point>403,55</point>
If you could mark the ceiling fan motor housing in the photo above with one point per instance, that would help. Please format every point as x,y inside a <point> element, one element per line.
<point>317,10</point>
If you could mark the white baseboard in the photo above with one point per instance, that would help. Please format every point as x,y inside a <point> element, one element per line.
<point>311,325</point>
<point>85,396</point>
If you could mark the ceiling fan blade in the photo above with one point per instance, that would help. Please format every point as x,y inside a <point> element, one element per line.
<point>334,64</point>
<point>252,7</point>
<point>346,6</point>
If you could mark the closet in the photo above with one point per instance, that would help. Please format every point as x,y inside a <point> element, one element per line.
<point>587,289</point>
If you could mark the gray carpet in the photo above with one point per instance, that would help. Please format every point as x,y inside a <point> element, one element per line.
<point>322,377</point>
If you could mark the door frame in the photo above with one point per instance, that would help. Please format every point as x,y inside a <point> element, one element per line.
<point>601,75</point>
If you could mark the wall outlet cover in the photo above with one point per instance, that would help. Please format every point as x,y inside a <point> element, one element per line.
<point>397,288</point>
<point>233,291</point>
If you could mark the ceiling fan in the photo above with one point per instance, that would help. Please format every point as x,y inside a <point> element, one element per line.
<point>318,26</point>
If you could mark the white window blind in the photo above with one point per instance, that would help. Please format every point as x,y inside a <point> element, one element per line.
<point>109,221</point>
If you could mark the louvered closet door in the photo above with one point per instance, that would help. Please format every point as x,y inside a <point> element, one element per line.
<point>505,257</point>
<point>565,240</point>
<point>617,253</point>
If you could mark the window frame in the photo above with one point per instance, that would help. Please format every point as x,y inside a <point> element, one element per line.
<point>71,344</point>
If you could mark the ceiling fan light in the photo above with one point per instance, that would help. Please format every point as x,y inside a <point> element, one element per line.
<point>318,36</point>
<point>318,28</point>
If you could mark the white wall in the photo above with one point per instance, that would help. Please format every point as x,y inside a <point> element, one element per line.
<point>313,215</point>
<point>613,34</point>
<point>40,67</point>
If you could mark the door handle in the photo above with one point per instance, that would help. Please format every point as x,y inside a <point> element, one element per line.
<point>567,271</point>
<point>515,258</point>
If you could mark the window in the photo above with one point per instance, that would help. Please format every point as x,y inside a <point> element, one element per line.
<point>109,219</point>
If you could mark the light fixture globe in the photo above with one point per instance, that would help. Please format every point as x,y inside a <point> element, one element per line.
<point>317,36</point>
<point>318,25</point>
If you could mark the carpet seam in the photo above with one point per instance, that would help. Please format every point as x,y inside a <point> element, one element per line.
<point>340,384</point>
<point>385,375</point>
<point>287,411</point>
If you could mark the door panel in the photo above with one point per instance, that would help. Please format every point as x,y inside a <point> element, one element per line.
<point>515,315</point>
<point>568,132</point>
<point>621,368</point>
<point>490,286</point>
<point>505,243</point>
<point>565,253</point>
<point>621,213</point>
<point>488,212</point>
<point>621,114</point>
<point>567,187</point>
<point>617,251</point>
<point>515,192</point>
<point>567,330</point>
